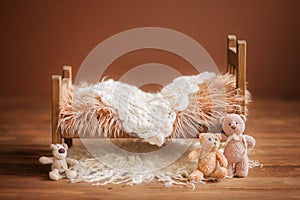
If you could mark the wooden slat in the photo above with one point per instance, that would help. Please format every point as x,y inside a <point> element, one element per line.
<point>231,45</point>
<point>67,76</point>
<point>232,57</point>
<point>231,41</point>
<point>241,70</point>
<point>56,98</point>
<point>241,54</point>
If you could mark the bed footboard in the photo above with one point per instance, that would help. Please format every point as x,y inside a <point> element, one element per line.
<point>56,92</point>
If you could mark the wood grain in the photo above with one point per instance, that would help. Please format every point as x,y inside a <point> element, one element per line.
<point>67,76</point>
<point>56,99</point>
<point>26,135</point>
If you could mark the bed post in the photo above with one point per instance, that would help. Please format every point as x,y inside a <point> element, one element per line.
<point>67,72</point>
<point>241,70</point>
<point>56,98</point>
<point>67,76</point>
<point>231,48</point>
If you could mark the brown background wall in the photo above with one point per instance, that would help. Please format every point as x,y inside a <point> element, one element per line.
<point>38,37</point>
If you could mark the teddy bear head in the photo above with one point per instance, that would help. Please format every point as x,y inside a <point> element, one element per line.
<point>233,124</point>
<point>59,151</point>
<point>209,142</point>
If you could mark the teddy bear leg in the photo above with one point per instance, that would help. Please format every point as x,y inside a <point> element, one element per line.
<point>242,168</point>
<point>196,176</point>
<point>54,175</point>
<point>230,169</point>
<point>71,174</point>
<point>220,173</point>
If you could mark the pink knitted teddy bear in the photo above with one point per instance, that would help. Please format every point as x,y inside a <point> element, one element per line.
<point>236,144</point>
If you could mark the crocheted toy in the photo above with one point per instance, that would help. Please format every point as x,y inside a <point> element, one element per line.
<point>236,144</point>
<point>59,162</point>
<point>208,156</point>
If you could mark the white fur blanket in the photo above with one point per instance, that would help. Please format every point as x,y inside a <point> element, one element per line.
<point>185,107</point>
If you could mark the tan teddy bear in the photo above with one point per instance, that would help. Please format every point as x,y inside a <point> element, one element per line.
<point>236,144</point>
<point>208,158</point>
<point>59,162</point>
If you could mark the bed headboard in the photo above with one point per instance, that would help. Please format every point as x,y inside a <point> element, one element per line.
<point>236,64</point>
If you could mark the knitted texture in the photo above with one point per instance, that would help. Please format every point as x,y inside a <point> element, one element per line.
<point>237,144</point>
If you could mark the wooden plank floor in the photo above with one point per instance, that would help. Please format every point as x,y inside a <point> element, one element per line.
<point>25,136</point>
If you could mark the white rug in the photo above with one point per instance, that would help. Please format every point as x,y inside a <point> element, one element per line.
<point>102,162</point>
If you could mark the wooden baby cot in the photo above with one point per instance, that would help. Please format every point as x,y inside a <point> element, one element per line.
<point>236,65</point>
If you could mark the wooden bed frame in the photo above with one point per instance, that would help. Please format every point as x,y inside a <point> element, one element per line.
<point>236,65</point>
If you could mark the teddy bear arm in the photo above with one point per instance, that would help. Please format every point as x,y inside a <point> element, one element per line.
<point>71,161</point>
<point>224,137</point>
<point>46,160</point>
<point>250,141</point>
<point>194,154</point>
<point>222,159</point>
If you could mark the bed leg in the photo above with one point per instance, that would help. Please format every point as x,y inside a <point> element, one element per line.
<point>56,98</point>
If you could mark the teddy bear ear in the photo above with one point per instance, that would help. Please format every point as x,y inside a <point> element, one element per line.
<point>52,146</point>
<point>243,117</point>
<point>221,120</point>
<point>201,135</point>
<point>65,146</point>
<point>219,136</point>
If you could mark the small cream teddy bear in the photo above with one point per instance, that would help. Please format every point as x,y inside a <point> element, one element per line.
<point>59,162</point>
<point>211,162</point>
